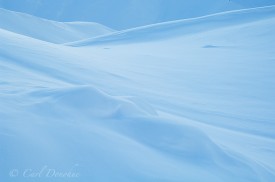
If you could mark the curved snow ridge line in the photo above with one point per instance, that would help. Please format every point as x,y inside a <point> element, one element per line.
<point>124,14</point>
<point>182,27</point>
<point>48,30</point>
<point>189,145</point>
<point>184,144</point>
<point>91,102</point>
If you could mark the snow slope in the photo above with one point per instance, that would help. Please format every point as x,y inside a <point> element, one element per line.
<point>182,27</point>
<point>184,107</point>
<point>122,14</point>
<point>49,31</point>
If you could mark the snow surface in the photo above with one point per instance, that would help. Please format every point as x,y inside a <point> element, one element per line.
<point>188,100</point>
<point>50,31</point>
<point>122,14</point>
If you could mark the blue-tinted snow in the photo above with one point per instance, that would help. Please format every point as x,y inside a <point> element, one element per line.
<point>122,14</point>
<point>188,100</point>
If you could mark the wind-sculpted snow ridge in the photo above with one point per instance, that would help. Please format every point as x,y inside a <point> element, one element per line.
<point>124,14</point>
<point>89,101</point>
<point>114,136</point>
<point>195,107</point>
<point>50,31</point>
<point>182,27</point>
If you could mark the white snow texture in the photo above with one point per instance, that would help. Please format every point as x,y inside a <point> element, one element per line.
<point>191,99</point>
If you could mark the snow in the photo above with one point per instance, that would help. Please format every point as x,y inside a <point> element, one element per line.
<point>124,14</point>
<point>50,31</point>
<point>186,100</point>
<point>186,26</point>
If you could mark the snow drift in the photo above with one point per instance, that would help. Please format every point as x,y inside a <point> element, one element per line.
<point>182,27</point>
<point>50,31</point>
<point>190,107</point>
<point>123,14</point>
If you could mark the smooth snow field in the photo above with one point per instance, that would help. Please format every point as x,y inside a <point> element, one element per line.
<point>189,100</point>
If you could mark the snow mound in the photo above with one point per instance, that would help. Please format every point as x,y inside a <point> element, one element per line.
<point>210,111</point>
<point>50,31</point>
<point>89,101</point>
<point>189,145</point>
<point>182,27</point>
